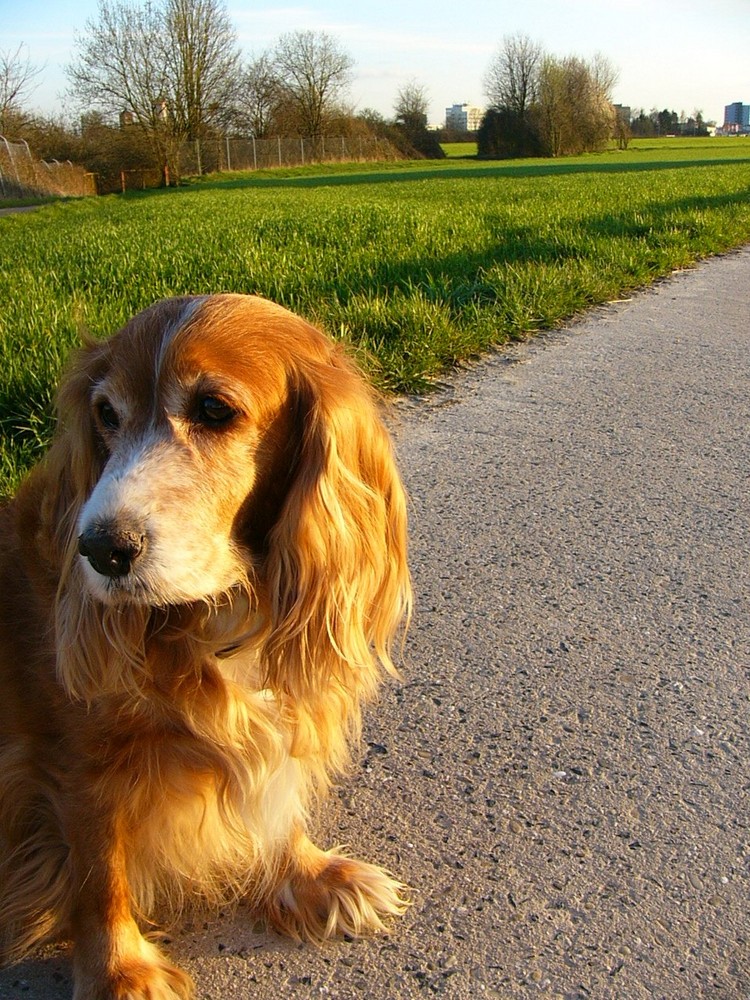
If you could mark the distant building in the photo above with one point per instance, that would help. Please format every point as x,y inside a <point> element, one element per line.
<point>737,118</point>
<point>623,112</point>
<point>463,118</point>
<point>161,109</point>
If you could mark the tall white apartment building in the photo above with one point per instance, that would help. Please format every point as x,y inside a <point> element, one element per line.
<point>463,117</point>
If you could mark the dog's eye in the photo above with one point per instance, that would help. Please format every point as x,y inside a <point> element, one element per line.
<point>213,412</point>
<point>108,416</point>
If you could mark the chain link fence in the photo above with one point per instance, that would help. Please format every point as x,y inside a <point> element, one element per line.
<point>21,176</point>
<point>206,156</point>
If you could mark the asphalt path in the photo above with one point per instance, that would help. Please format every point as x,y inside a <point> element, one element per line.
<point>19,209</point>
<point>562,775</point>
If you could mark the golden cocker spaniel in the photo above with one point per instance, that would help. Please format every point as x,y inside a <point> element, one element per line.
<point>199,586</point>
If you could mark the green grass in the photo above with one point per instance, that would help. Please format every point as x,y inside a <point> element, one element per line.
<point>416,265</point>
<point>459,149</point>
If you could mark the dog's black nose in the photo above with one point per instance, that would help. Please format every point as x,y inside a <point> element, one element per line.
<point>110,549</point>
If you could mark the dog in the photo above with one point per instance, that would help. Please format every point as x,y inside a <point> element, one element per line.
<point>200,586</point>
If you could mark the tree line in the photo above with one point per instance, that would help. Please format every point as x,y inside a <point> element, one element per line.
<point>543,105</point>
<point>666,122</point>
<point>145,78</point>
<point>173,71</point>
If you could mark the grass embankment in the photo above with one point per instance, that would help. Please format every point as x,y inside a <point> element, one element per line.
<point>417,265</point>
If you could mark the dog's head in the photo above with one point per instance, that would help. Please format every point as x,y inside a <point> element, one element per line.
<point>220,443</point>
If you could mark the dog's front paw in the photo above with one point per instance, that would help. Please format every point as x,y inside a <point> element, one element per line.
<point>144,976</point>
<point>328,894</point>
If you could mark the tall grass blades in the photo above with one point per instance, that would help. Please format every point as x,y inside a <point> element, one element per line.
<point>417,266</point>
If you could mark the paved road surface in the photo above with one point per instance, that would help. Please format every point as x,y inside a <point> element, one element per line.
<point>563,775</point>
<point>18,209</point>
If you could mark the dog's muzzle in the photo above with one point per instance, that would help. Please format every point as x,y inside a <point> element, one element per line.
<point>111,549</point>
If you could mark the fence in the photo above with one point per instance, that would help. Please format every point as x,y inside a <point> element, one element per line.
<point>21,176</point>
<point>205,156</point>
<point>137,179</point>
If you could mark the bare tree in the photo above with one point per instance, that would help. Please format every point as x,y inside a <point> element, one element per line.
<point>511,80</point>
<point>121,68</point>
<point>17,81</point>
<point>604,76</point>
<point>314,74</point>
<point>575,114</point>
<point>410,109</point>
<point>171,67</point>
<point>203,64</point>
<point>259,96</point>
<point>512,85</point>
<point>551,111</point>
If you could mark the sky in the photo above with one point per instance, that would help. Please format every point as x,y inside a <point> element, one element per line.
<point>677,54</point>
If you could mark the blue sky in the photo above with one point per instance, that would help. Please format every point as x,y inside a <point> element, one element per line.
<point>679,54</point>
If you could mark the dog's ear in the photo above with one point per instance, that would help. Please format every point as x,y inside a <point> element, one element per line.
<point>59,485</point>
<point>64,481</point>
<point>76,458</point>
<point>336,565</point>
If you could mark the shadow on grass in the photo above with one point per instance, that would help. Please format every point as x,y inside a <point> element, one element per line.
<point>438,172</point>
<point>654,230</point>
<point>521,282</point>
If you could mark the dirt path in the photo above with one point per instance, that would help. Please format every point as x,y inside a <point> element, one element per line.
<point>19,208</point>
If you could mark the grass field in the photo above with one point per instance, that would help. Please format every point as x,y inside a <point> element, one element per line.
<point>459,149</point>
<point>417,265</point>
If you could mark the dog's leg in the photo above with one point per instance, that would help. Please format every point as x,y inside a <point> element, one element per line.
<point>325,893</point>
<point>112,960</point>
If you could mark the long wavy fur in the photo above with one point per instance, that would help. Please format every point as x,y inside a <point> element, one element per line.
<point>175,748</point>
